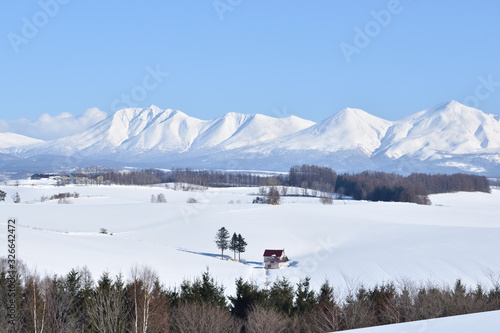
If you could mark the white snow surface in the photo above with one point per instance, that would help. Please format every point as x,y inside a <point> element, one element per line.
<point>348,243</point>
<point>135,130</point>
<point>484,322</point>
<point>348,129</point>
<point>12,140</point>
<point>448,128</point>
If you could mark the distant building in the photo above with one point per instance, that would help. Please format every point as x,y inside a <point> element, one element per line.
<point>274,259</point>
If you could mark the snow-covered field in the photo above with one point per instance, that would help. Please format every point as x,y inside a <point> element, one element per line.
<point>349,243</point>
<point>486,322</point>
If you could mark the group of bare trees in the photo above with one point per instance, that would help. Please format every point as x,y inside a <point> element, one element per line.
<point>271,195</point>
<point>159,198</point>
<point>75,303</point>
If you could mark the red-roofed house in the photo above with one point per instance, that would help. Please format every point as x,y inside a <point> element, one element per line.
<point>274,259</point>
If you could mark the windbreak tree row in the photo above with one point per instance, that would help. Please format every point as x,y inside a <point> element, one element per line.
<point>141,303</point>
<point>367,185</point>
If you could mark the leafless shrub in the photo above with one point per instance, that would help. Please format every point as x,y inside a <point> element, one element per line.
<point>273,197</point>
<point>16,198</point>
<point>160,198</point>
<point>262,320</point>
<point>284,191</point>
<point>326,200</point>
<point>204,317</point>
<point>192,200</point>
<point>263,191</point>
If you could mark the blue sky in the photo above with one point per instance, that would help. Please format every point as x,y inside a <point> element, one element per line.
<point>306,58</point>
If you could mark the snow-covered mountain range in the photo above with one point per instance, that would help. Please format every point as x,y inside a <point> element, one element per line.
<point>449,137</point>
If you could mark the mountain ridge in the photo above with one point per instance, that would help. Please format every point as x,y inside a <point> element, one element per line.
<point>449,136</point>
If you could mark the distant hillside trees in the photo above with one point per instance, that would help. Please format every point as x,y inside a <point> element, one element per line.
<point>313,180</point>
<point>312,177</point>
<point>451,183</point>
<point>382,186</point>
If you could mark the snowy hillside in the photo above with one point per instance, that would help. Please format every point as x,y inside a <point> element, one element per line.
<point>12,140</point>
<point>447,138</point>
<point>485,322</point>
<point>349,243</point>
<point>448,128</point>
<point>348,129</point>
<point>129,132</point>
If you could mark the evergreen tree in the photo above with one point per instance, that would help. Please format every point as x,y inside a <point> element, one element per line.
<point>2,195</point>
<point>241,244</point>
<point>247,296</point>
<point>305,299</point>
<point>233,245</point>
<point>221,239</point>
<point>281,296</point>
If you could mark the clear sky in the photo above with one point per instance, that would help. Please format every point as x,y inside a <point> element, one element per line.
<point>208,57</point>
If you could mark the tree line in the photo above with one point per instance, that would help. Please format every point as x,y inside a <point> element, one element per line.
<point>76,303</point>
<point>383,186</point>
<point>367,185</point>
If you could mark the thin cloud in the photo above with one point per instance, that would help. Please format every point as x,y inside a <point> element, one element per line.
<point>48,127</point>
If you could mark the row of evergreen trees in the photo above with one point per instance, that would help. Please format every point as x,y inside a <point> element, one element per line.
<point>141,303</point>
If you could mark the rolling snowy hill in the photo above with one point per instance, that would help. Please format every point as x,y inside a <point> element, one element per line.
<point>349,243</point>
<point>14,141</point>
<point>449,137</point>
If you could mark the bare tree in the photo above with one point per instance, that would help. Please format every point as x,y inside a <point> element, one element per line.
<point>161,198</point>
<point>16,198</point>
<point>143,284</point>
<point>326,199</point>
<point>284,191</point>
<point>36,297</point>
<point>273,197</point>
<point>262,320</point>
<point>203,317</point>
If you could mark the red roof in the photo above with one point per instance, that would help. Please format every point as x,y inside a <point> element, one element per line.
<point>277,253</point>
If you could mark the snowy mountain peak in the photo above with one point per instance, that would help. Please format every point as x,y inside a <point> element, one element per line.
<point>447,128</point>
<point>447,134</point>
